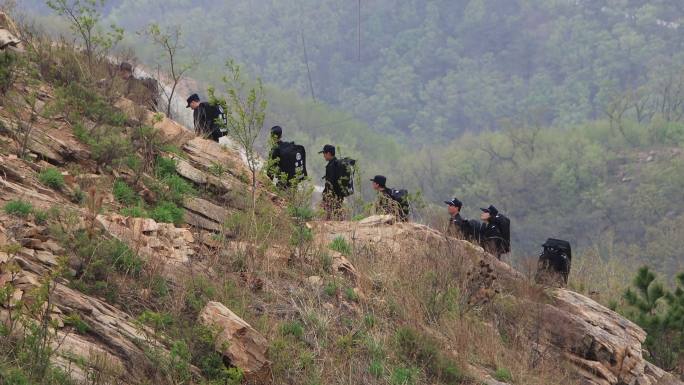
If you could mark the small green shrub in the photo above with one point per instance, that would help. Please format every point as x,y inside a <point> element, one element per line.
<point>40,217</point>
<point>376,368</point>
<point>125,193</point>
<point>167,212</point>
<point>351,294</point>
<point>503,374</point>
<point>52,178</point>
<point>293,328</point>
<point>177,188</point>
<point>111,147</point>
<point>199,292</point>
<point>78,196</point>
<point>404,376</point>
<point>369,321</point>
<point>301,235</point>
<point>135,212</point>
<point>14,376</point>
<point>170,148</point>
<point>301,213</point>
<point>341,245</point>
<point>326,262</point>
<point>164,167</point>
<point>330,289</point>
<point>159,286</point>
<point>75,320</point>
<point>123,258</point>
<point>158,321</point>
<point>423,351</point>
<point>18,208</point>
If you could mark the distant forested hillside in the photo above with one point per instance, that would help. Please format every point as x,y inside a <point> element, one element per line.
<point>433,69</point>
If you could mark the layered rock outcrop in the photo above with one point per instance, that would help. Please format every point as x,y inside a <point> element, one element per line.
<point>603,347</point>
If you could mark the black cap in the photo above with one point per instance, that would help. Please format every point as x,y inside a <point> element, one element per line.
<point>454,202</point>
<point>192,98</point>
<point>491,210</point>
<point>379,179</point>
<point>328,148</point>
<point>277,131</point>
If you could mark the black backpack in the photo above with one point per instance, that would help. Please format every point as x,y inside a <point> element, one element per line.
<point>347,168</point>
<point>401,196</point>
<point>505,228</point>
<point>292,160</point>
<point>556,256</point>
<point>221,119</point>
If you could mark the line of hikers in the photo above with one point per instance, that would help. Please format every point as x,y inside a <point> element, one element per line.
<point>287,168</point>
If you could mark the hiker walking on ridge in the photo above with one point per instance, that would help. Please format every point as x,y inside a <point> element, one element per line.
<point>390,201</point>
<point>495,232</point>
<point>333,194</point>
<point>287,161</point>
<point>458,226</point>
<point>205,117</point>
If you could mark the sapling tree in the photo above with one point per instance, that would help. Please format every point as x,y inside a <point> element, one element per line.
<point>661,313</point>
<point>245,107</point>
<point>169,43</point>
<point>84,18</point>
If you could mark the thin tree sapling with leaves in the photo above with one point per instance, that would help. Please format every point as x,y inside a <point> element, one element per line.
<point>84,17</point>
<point>245,108</point>
<point>169,41</point>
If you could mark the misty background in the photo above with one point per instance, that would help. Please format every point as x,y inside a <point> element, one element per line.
<point>565,114</point>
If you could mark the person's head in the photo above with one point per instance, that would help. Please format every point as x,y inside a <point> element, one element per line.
<point>193,101</point>
<point>328,152</point>
<point>276,132</point>
<point>454,206</point>
<point>379,182</point>
<point>488,213</point>
<point>125,70</point>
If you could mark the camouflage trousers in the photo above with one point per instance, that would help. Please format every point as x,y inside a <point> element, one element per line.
<point>333,207</point>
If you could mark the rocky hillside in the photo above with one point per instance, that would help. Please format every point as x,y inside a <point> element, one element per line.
<point>130,254</point>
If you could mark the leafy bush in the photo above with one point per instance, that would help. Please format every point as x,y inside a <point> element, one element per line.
<point>52,178</point>
<point>124,193</point>
<point>158,321</point>
<point>404,376</point>
<point>301,213</point>
<point>77,101</point>
<point>18,208</point>
<point>164,167</point>
<point>351,294</point>
<point>75,320</point>
<point>293,328</point>
<point>341,245</point>
<point>78,196</point>
<point>177,188</point>
<point>503,374</point>
<point>40,216</point>
<point>167,212</point>
<point>301,235</point>
<point>330,289</point>
<point>423,351</point>
<point>110,148</point>
<point>135,212</point>
<point>376,368</point>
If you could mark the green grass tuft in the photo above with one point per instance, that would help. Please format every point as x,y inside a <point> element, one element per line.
<point>341,245</point>
<point>52,178</point>
<point>18,208</point>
